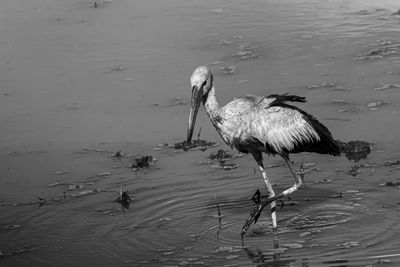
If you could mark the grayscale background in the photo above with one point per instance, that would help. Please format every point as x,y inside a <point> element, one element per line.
<point>81,80</point>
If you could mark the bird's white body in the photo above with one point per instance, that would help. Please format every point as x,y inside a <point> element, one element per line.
<point>252,117</point>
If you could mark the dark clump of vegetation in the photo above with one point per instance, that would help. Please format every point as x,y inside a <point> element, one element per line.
<point>142,162</point>
<point>353,171</point>
<point>220,155</point>
<point>390,184</point>
<point>117,154</point>
<point>391,162</point>
<point>197,143</point>
<point>354,150</point>
<point>124,199</point>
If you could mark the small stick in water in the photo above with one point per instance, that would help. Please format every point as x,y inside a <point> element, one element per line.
<point>219,216</point>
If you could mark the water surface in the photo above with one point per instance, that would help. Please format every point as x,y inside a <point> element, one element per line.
<point>78,83</point>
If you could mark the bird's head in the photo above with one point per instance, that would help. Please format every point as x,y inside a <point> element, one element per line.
<point>201,84</point>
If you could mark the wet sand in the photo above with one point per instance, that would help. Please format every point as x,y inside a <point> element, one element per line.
<point>79,82</point>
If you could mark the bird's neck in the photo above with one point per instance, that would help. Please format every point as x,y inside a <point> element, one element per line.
<point>212,107</point>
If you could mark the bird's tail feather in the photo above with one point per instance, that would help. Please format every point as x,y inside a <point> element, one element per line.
<point>326,144</point>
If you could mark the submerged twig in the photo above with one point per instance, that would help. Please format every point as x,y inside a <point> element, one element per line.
<point>142,162</point>
<point>219,216</point>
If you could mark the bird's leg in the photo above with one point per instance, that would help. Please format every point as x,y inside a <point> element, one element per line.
<point>298,181</point>
<point>271,193</point>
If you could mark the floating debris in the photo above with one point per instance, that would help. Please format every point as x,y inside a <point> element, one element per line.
<point>226,166</point>
<point>392,184</point>
<point>162,146</point>
<point>228,70</point>
<point>216,62</point>
<point>391,162</point>
<point>178,101</point>
<point>387,86</point>
<point>21,250</point>
<point>165,219</point>
<point>354,150</point>
<point>354,170</point>
<point>224,42</point>
<point>111,212</point>
<point>116,69</point>
<point>86,192</point>
<point>232,257</point>
<point>11,226</point>
<point>61,172</point>
<point>142,162</point>
<point>330,85</point>
<point>75,187</point>
<point>376,105</point>
<point>195,144</point>
<point>246,51</point>
<point>354,109</point>
<point>348,245</point>
<point>220,155</point>
<point>124,199</point>
<point>292,246</point>
<point>380,49</point>
<point>56,184</point>
<point>229,249</point>
<point>342,102</point>
<point>304,234</point>
<point>104,174</point>
<point>117,154</point>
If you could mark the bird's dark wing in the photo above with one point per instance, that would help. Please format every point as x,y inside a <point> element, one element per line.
<point>285,98</point>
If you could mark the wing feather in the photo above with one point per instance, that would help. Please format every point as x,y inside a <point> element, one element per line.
<point>282,128</point>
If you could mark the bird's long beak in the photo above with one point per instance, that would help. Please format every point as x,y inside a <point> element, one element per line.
<point>194,108</point>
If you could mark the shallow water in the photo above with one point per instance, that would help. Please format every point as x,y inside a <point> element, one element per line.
<point>78,83</point>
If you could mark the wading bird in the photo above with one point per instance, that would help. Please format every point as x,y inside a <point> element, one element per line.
<point>255,124</point>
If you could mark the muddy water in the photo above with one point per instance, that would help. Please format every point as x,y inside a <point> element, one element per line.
<point>79,82</point>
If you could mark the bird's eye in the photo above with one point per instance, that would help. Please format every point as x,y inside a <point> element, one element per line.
<point>204,83</point>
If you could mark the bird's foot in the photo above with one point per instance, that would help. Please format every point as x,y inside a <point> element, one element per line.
<point>256,197</point>
<point>256,212</point>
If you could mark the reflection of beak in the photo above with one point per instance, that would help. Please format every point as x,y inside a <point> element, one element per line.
<point>194,108</point>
